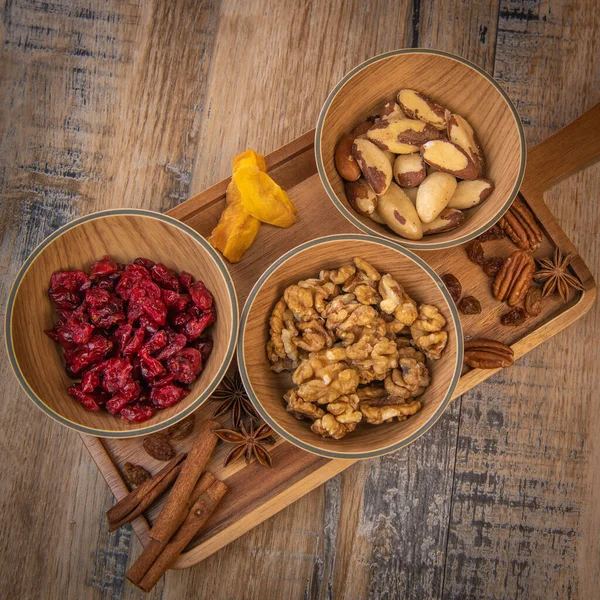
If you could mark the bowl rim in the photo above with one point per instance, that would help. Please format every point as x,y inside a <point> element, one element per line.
<point>107,433</point>
<point>315,449</point>
<point>402,241</point>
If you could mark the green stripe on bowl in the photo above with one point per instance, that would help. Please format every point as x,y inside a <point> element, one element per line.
<point>404,242</point>
<point>254,398</point>
<point>196,403</point>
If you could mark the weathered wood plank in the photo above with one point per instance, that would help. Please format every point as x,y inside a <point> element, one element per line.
<point>142,104</point>
<point>526,486</point>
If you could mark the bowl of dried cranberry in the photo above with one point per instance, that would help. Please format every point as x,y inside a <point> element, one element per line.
<point>122,323</point>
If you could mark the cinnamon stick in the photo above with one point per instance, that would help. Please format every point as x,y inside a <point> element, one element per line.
<point>151,552</point>
<point>196,518</point>
<point>138,500</point>
<point>175,508</point>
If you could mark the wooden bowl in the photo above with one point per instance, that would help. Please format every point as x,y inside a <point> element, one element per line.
<point>451,81</point>
<point>266,388</point>
<point>124,234</point>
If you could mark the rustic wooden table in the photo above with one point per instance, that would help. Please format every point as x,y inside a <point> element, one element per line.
<point>113,103</point>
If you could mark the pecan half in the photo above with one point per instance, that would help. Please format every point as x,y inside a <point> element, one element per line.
<point>521,226</point>
<point>483,353</point>
<point>514,278</point>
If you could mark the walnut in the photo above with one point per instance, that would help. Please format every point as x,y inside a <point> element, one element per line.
<point>342,418</point>
<point>367,269</point>
<point>411,377</point>
<point>321,291</point>
<point>339,276</point>
<point>337,380</point>
<point>427,332</point>
<point>396,301</point>
<point>339,309</point>
<point>275,327</point>
<point>300,302</point>
<point>279,364</point>
<point>362,316</point>
<point>383,414</point>
<point>313,336</point>
<point>410,352</point>
<point>365,294</point>
<point>301,408</point>
<point>372,393</point>
<point>314,366</point>
<point>381,359</point>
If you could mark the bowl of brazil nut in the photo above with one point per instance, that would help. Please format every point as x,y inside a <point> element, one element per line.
<point>421,147</point>
<point>350,346</point>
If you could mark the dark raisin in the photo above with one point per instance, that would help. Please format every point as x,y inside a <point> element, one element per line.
<point>533,301</point>
<point>492,265</point>
<point>516,316</point>
<point>181,430</point>
<point>453,285</point>
<point>158,447</point>
<point>495,232</point>
<point>469,305</point>
<point>474,251</point>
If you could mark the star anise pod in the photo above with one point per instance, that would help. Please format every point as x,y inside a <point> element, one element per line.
<point>233,398</point>
<point>248,443</point>
<point>554,275</point>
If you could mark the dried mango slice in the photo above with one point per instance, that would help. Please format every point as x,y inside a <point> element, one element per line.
<point>249,158</point>
<point>236,229</point>
<point>262,198</point>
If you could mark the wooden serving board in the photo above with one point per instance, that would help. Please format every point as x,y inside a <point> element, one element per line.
<point>257,493</point>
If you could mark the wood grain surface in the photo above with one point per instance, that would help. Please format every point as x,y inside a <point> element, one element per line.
<point>113,103</point>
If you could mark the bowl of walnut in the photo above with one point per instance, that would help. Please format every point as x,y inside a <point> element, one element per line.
<point>420,147</point>
<point>350,346</point>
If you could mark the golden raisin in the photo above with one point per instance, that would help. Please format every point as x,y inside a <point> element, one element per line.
<point>181,430</point>
<point>135,474</point>
<point>474,251</point>
<point>515,317</point>
<point>469,305</point>
<point>533,301</point>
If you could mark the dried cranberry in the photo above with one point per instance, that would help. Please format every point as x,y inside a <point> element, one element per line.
<point>103,267</point>
<point>69,281</point>
<point>131,277</point>
<point>89,354</point>
<point>150,325</point>
<point>135,343</point>
<point>134,307</point>
<point>175,301</point>
<point>176,342</point>
<point>121,336</point>
<point>167,395</point>
<point>168,378</point>
<point>116,373</point>
<point>205,346</point>
<point>201,297</point>
<point>97,297</point>
<point>111,314</point>
<point>137,413</point>
<point>165,277</point>
<point>155,309</point>
<point>66,300</point>
<point>90,380</point>
<point>185,365</point>
<point>156,342</point>
<point>91,402</point>
<point>150,367</point>
<point>195,327</point>
<point>144,262</point>
<point>74,332</point>
<point>185,279</point>
<point>181,319</point>
<point>117,403</point>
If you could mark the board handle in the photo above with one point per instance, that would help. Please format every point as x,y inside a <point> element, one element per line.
<point>569,150</point>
